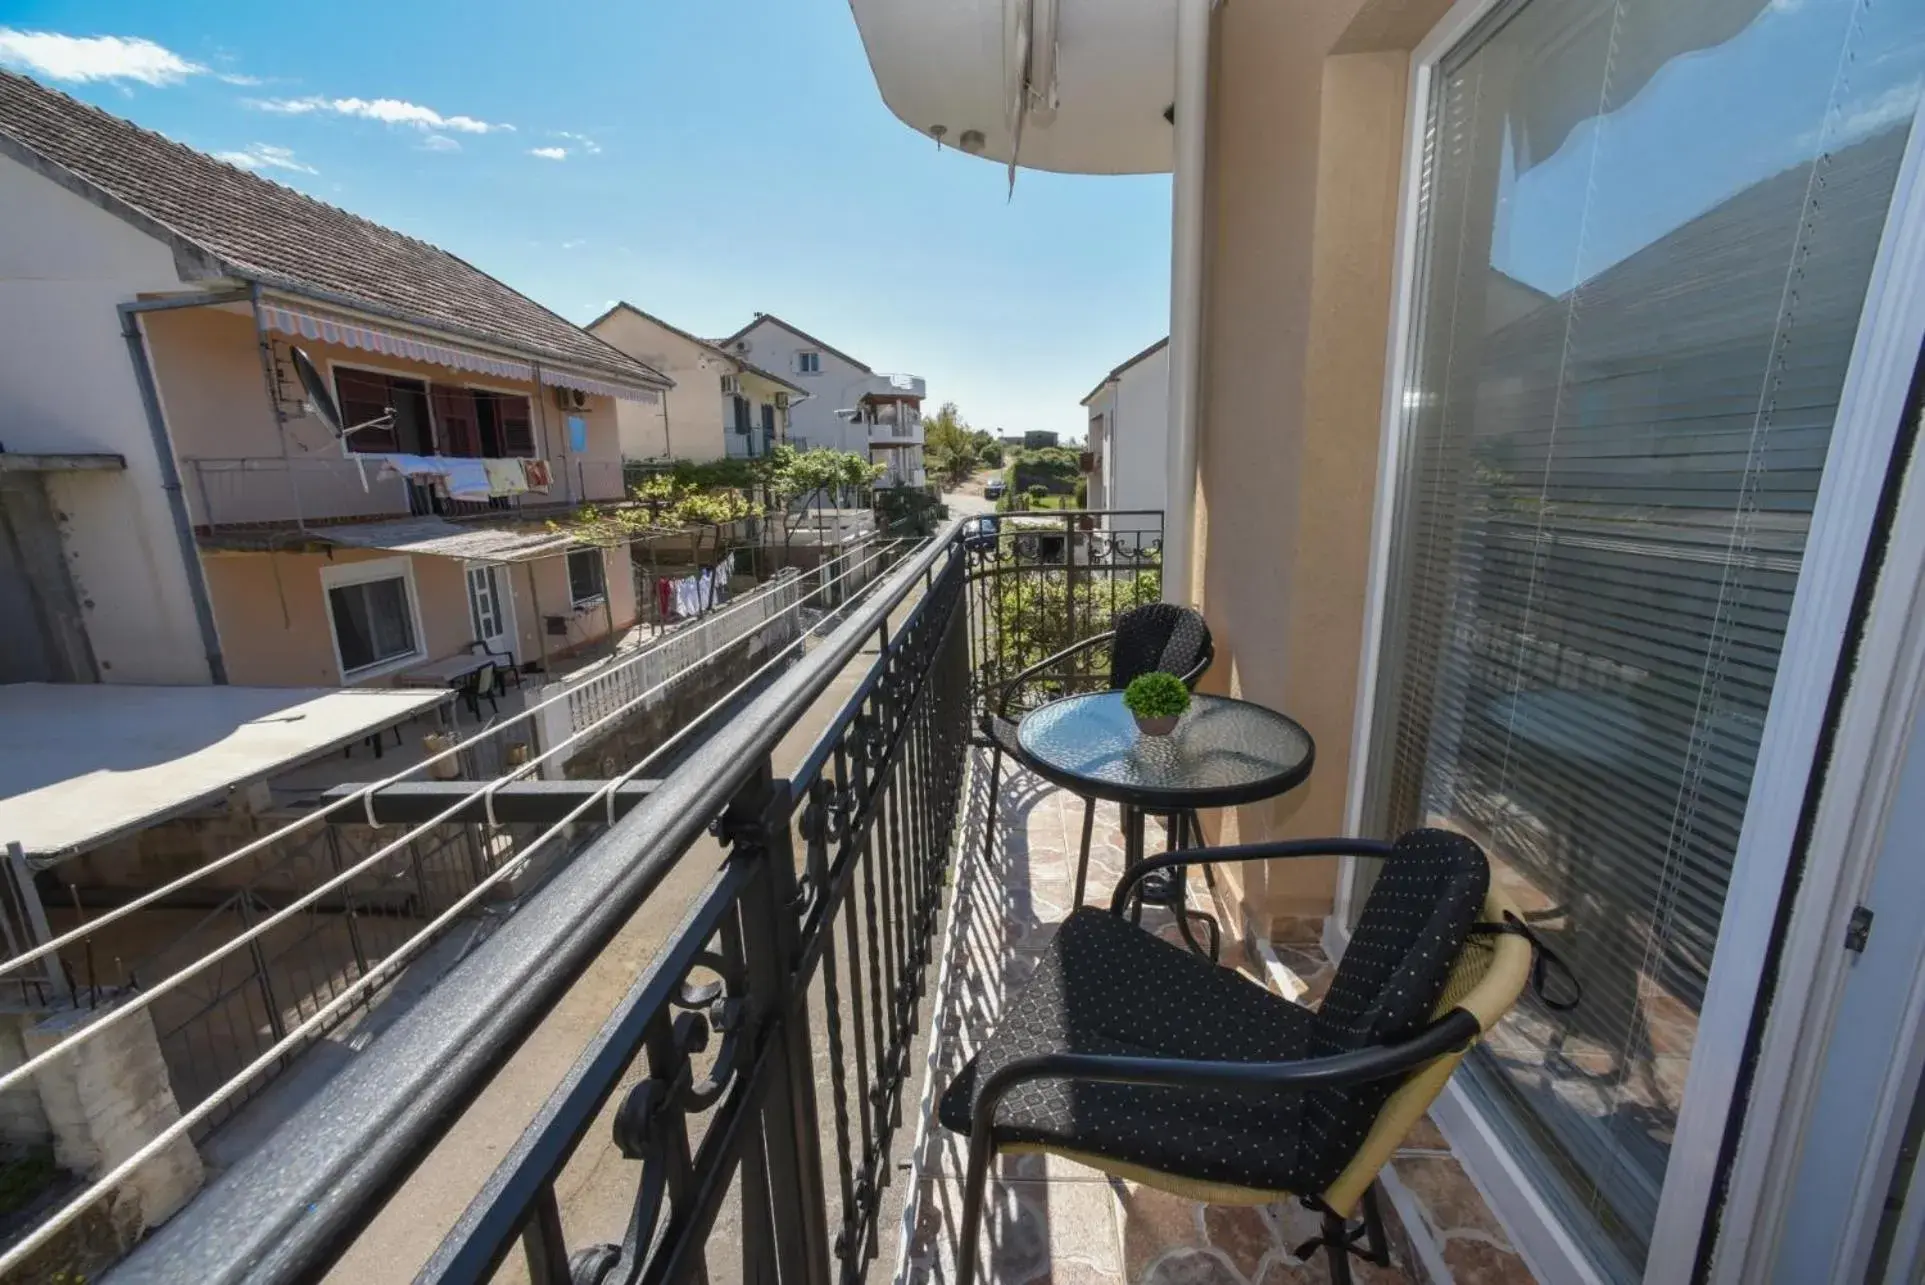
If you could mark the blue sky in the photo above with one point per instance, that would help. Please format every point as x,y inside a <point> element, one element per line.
<point>704,161</point>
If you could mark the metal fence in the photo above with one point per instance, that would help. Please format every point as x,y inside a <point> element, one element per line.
<point>636,682</point>
<point>762,1059</point>
<point>227,1016</point>
<point>1040,582</point>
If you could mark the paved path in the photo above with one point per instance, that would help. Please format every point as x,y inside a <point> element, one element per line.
<point>969,500</point>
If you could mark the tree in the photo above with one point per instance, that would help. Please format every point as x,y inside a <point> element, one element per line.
<point>949,446</point>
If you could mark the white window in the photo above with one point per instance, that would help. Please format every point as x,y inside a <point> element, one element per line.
<point>808,363</point>
<point>1631,320</point>
<point>587,581</point>
<point>373,616</point>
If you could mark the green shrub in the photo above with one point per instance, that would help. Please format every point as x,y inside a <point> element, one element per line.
<point>1156,695</point>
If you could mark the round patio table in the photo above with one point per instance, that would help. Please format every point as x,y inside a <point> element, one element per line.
<point>1224,752</point>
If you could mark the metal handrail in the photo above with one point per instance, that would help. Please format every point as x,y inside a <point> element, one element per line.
<point>862,832</point>
<point>294,1204</point>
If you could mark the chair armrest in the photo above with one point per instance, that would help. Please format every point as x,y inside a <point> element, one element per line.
<point>1454,1032</point>
<point>1120,899</point>
<point>1197,670</point>
<point>1002,701</point>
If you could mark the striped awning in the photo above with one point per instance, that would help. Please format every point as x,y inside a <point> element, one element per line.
<point>303,323</point>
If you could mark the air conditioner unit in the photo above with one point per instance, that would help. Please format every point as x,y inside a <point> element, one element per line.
<point>570,398</point>
<point>730,385</point>
<point>782,401</point>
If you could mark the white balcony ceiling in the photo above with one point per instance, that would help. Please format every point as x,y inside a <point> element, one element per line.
<point>1088,99</point>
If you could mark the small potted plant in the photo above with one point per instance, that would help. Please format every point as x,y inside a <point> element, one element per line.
<point>1157,701</point>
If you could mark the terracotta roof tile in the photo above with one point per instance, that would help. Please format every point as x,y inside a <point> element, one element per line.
<point>260,230</point>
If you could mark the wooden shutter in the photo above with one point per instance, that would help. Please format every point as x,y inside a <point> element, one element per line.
<point>457,429</point>
<point>517,426</point>
<point>364,395</point>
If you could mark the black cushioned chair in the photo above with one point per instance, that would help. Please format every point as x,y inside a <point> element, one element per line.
<point>1160,637</point>
<point>1150,1063</point>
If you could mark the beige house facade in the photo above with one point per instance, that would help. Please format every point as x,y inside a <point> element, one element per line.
<point>723,405</point>
<point>237,538</point>
<point>1540,440</point>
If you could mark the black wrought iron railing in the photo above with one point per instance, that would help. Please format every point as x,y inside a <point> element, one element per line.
<point>760,1065</point>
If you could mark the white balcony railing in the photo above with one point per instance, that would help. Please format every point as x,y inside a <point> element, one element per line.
<point>251,491</point>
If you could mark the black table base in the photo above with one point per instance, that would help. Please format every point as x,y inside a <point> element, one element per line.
<point>1169,888</point>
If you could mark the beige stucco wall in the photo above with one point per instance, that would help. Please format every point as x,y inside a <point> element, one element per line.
<point>272,609</point>
<point>688,425</point>
<point>208,365</point>
<point>67,385</point>
<point>550,590</point>
<point>1306,133</point>
<point>273,613</point>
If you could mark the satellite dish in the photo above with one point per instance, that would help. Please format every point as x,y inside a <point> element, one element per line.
<point>320,401</point>
<point>321,405</point>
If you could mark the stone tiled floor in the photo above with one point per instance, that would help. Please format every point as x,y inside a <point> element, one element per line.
<point>1050,1220</point>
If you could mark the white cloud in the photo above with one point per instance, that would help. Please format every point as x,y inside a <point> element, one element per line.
<point>549,153</point>
<point>583,143</point>
<point>440,143</point>
<point>576,244</point>
<point>1864,118</point>
<point>389,111</point>
<point>235,78</point>
<point>265,156</point>
<point>1855,121</point>
<point>84,58</point>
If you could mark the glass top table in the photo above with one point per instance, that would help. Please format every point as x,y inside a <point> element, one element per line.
<point>1222,753</point>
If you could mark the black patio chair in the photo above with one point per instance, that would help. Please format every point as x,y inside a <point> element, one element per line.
<point>1159,637</point>
<point>504,660</point>
<point>1150,1063</point>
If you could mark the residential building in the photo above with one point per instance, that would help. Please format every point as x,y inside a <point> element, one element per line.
<point>1541,441</point>
<point>723,405</point>
<point>1127,454</point>
<point>851,407</point>
<point>210,526</point>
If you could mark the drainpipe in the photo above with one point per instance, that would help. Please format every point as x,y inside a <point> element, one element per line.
<point>130,330</point>
<point>1186,295</point>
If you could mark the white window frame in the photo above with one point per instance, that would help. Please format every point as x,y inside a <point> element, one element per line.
<point>593,600</point>
<point>808,361</point>
<point>341,574</point>
<point>1870,404</point>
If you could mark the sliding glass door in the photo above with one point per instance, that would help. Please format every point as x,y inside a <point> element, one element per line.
<point>1644,233</point>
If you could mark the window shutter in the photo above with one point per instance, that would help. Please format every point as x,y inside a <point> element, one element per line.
<point>517,427</point>
<point>457,431</point>
<point>365,395</point>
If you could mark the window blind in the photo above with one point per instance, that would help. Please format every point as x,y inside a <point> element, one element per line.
<point>1632,314</point>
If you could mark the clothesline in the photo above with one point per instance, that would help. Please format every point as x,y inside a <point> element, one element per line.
<point>467,478</point>
<point>683,597</point>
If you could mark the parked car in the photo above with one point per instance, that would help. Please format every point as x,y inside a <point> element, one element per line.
<point>995,489</point>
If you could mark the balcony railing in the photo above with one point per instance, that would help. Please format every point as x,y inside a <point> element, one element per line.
<point>771,1034</point>
<point>749,445</point>
<point>258,491</point>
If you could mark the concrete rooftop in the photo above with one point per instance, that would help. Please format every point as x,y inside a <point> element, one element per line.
<point>82,764</point>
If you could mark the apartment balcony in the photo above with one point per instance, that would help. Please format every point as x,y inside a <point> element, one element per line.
<point>757,1103</point>
<point>748,445</point>
<point>887,386</point>
<point>883,436</point>
<point>237,491</point>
